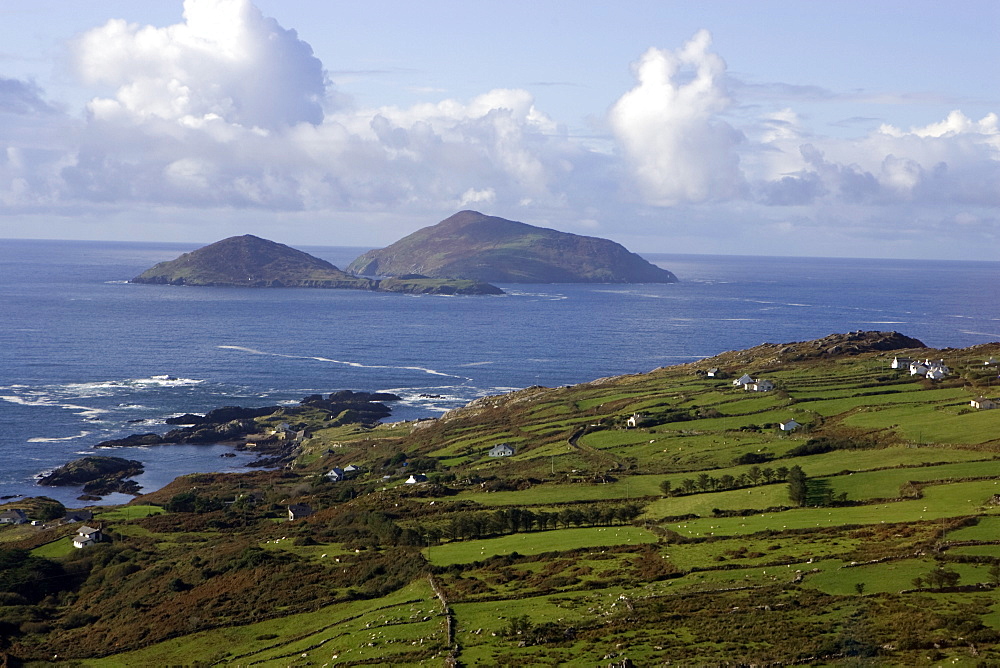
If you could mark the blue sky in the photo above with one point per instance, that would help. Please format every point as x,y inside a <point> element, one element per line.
<point>777,128</point>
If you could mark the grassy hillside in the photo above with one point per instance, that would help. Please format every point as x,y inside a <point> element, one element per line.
<point>706,535</point>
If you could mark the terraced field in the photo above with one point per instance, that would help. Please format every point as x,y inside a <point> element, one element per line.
<point>706,535</point>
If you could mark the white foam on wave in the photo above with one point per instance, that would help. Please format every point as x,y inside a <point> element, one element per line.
<point>40,400</point>
<point>53,439</point>
<point>27,401</point>
<point>986,334</point>
<point>356,365</point>
<point>542,295</point>
<point>103,388</point>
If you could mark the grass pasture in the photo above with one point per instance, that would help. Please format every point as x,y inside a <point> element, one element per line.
<point>354,632</point>
<point>465,552</point>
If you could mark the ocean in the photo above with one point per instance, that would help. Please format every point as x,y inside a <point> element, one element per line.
<point>86,356</point>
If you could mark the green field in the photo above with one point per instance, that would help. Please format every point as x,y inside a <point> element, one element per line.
<point>536,543</point>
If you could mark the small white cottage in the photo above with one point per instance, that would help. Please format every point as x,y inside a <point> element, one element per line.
<point>86,536</point>
<point>983,404</point>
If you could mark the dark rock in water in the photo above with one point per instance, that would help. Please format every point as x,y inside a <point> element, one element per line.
<point>474,246</point>
<point>132,440</point>
<point>350,395</point>
<point>103,487</point>
<point>224,414</point>
<point>94,473</point>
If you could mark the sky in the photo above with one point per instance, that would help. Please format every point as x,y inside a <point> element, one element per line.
<point>793,127</point>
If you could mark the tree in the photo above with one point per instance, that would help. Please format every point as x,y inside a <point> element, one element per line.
<point>797,485</point>
<point>665,487</point>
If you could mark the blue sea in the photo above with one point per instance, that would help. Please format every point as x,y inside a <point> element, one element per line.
<point>86,356</point>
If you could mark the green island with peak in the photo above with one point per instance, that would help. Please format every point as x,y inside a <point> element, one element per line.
<point>473,245</point>
<point>252,262</point>
<point>832,502</point>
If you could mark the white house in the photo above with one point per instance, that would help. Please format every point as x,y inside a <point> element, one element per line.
<point>415,478</point>
<point>87,535</point>
<point>501,450</point>
<point>983,404</point>
<point>745,379</point>
<point>762,385</point>
<point>14,516</point>
<point>933,370</point>
<point>714,372</point>
<point>901,362</point>
<point>351,469</point>
<point>789,425</point>
<point>335,474</point>
<point>936,373</point>
<point>636,420</point>
<point>297,511</point>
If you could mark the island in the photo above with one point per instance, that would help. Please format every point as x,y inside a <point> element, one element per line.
<point>251,262</point>
<point>475,246</point>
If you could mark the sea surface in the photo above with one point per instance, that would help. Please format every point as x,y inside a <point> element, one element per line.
<point>86,356</point>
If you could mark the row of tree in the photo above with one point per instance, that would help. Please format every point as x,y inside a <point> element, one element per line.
<point>482,524</point>
<point>704,482</point>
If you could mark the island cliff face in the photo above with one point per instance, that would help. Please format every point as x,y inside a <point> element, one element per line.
<point>249,261</point>
<point>487,248</point>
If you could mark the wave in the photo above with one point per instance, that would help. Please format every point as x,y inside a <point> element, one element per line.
<point>44,401</point>
<point>995,337</point>
<point>356,365</point>
<point>541,295</point>
<point>103,387</point>
<point>54,439</point>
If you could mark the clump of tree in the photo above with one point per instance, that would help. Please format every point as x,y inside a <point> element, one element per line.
<point>189,502</point>
<point>797,489</point>
<point>938,577</point>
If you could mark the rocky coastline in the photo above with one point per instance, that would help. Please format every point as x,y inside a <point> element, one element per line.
<point>275,441</point>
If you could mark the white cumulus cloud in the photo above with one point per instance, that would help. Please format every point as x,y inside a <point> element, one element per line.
<point>677,147</point>
<point>225,60</point>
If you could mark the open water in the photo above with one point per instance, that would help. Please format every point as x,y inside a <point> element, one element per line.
<point>85,356</point>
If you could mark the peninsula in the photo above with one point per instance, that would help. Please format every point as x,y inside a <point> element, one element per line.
<point>475,246</point>
<point>826,502</point>
<point>252,262</point>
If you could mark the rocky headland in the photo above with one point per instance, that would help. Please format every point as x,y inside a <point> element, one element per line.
<point>98,475</point>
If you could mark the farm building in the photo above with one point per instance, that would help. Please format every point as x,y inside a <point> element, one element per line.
<point>87,535</point>
<point>297,511</point>
<point>501,450</point>
<point>983,404</point>
<point>789,425</point>
<point>635,420</point>
<point>15,516</point>
<point>761,385</point>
